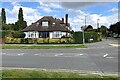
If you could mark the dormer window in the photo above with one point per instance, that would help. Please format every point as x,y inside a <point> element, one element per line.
<point>37,24</point>
<point>45,23</point>
<point>53,24</point>
<point>62,24</point>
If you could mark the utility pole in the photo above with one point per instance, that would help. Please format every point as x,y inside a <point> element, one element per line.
<point>98,25</point>
<point>84,32</point>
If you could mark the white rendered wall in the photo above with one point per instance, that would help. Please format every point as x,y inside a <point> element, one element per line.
<point>51,33</point>
<point>31,34</point>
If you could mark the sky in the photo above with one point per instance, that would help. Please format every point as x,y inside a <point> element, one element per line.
<point>106,12</point>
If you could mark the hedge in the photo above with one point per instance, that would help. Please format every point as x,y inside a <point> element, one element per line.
<point>77,38</point>
<point>89,37</point>
<point>37,40</point>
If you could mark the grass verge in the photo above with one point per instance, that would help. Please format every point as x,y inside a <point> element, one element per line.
<point>40,47</point>
<point>43,74</point>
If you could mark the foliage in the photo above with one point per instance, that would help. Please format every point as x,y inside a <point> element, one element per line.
<point>5,27</point>
<point>27,74</point>
<point>17,34</point>
<point>20,15</point>
<point>12,40</point>
<point>20,24</point>
<point>24,41</point>
<point>115,28</point>
<point>3,16</point>
<point>89,37</point>
<point>103,30</point>
<point>39,40</point>
<point>78,37</point>
<point>5,33</point>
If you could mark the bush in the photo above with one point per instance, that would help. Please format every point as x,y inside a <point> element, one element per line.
<point>54,40</point>
<point>31,40</point>
<point>13,40</point>
<point>78,37</point>
<point>89,37</point>
<point>40,40</point>
<point>46,40</point>
<point>4,33</point>
<point>24,41</point>
<point>17,34</point>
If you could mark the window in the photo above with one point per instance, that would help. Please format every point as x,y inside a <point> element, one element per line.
<point>44,23</point>
<point>37,24</point>
<point>62,24</point>
<point>53,24</point>
<point>57,34</point>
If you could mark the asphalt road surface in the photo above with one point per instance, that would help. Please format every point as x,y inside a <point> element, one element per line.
<point>98,56</point>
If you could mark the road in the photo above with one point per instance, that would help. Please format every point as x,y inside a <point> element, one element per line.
<point>98,56</point>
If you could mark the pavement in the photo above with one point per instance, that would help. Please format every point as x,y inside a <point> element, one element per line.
<point>99,57</point>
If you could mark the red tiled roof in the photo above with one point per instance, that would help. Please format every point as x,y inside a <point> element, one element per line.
<point>38,27</point>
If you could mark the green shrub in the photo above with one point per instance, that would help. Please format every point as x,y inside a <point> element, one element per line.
<point>45,40</point>
<point>78,37</point>
<point>40,40</point>
<point>17,34</point>
<point>55,40</point>
<point>4,33</point>
<point>12,40</point>
<point>31,40</point>
<point>24,41</point>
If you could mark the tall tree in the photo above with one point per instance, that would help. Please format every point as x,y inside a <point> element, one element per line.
<point>20,24</point>
<point>103,30</point>
<point>20,15</point>
<point>3,16</point>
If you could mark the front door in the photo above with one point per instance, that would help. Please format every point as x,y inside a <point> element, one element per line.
<point>43,34</point>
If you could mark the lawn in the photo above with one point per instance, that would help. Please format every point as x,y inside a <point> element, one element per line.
<point>44,74</point>
<point>40,47</point>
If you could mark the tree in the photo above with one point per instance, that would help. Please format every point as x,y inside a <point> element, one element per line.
<point>103,30</point>
<point>89,28</point>
<point>20,15</point>
<point>20,24</point>
<point>115,28</point>
<point>3,16</point>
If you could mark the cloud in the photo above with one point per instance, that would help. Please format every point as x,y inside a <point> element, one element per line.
<point>113,10</point>
<point>91,19</point>
<point>78,5</point>
<point>46,9</point>
<point>48,6</point>
<point>30,14</point>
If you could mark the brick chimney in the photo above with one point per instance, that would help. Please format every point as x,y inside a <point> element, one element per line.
<point>66,17</point>
<point>63,20</point>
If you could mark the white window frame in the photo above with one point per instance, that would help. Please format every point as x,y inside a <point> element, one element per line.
<point>45,23</point>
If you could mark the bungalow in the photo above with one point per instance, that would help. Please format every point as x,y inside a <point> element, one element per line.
<point>48,27</point>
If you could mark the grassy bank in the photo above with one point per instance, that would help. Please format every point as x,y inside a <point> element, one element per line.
<point>40,47</point>
<point>43,74</point>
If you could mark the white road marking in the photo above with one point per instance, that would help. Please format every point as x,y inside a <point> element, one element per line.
<point>36,54</point>
<point>110,57</point>
<point>21,54</point>
<point>2,53</point>
<point>102,47</point>
<point>105,55</point>
<point>59,55</point>
<point>79,55</point>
